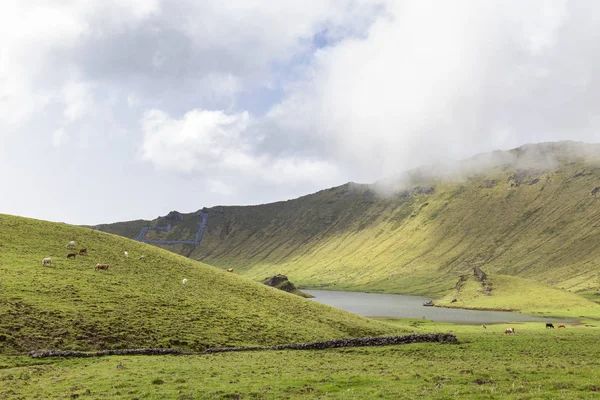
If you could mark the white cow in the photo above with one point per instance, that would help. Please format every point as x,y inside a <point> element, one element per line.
<point>71,244</point>
<point>142,257</point>
<point>184,281</point>
<point>46,261</point>
<point>126,254</point>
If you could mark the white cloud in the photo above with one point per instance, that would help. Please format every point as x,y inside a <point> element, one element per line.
<point>216,145</point>
<point>432,81</point>
<point>220,188</point>
<point>133,100</point>
<point>196,142</point>
<point>59,136</point>
<point>78,100</point>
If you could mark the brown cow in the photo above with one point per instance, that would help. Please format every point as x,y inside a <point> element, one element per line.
<point>230,270</point>
<point>509,330</point>
<point>562,326</point>
<point>101,266</point>
<point>71,255</point>
<point>83,252</point>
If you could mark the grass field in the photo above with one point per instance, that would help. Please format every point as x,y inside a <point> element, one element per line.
<point>142,303</point>
<point>510,293</point>
<point>536,363</point>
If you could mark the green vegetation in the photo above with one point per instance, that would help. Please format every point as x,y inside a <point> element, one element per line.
<point>509,293</point>
<point>536,363</point>
<point>534,213</point>
<point>142,303</point>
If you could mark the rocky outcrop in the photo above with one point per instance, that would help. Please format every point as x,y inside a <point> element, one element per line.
<point>488,184</point>
<point>479,274</point>
<point>281,282</point>
<point>174,216</point>
<point>483,279</point>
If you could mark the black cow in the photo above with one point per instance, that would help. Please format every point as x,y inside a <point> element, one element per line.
<point>549,325</point>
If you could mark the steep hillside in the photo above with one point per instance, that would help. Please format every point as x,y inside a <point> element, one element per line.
<point>141,302</point>
<point>533,212</point>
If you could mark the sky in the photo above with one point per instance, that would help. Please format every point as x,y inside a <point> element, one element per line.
<point>127,109</point>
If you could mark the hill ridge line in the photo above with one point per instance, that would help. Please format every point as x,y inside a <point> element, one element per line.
<point>195,242</point>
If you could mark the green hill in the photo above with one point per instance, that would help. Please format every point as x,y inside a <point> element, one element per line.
<point>512,293</point>
<point>142,303</point>
<point>532,212</point>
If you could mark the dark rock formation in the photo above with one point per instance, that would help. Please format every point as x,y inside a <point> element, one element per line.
<point>483,279</point>
<point>281,282</point>
<point>488,184</point>
<point>174,216</point>
<point>479,274</point>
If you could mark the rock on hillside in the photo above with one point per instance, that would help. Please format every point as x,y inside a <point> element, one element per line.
<point>281,282</point>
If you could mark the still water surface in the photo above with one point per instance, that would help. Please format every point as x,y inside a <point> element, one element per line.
<point>403,306</point>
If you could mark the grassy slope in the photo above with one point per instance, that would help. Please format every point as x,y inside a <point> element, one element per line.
<point>536,363</point>
<point>513,293</point>
<point>141,303</point>
<point>539,223</point>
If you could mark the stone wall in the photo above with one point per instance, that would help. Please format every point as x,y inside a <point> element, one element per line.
<point>329,344</point>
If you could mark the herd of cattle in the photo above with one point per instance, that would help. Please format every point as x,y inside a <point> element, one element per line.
<point>509,331</point>
<point>83,252</point>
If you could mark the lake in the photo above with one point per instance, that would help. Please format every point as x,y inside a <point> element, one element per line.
<point>404,306</point>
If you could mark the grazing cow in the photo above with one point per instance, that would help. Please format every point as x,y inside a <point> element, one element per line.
<point>126,254</point>
<point>46,261</point>
<point>509,330</point>
<point>83,252</point>
<point>184,281</point>
<point>549,325</point>
<point>230,270</point>
<point>483,326</point>
<point>562,326</point>
<point>101,266</point>
<point>71,244</point>
<point>142,257</point>
<point>71,255</point>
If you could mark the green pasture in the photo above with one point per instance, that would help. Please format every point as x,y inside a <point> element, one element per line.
<point>142,303</point>
<point>535,363</point>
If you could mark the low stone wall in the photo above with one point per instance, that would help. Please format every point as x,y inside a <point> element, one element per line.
<point>370,341</point>
<point>124,352</point>
<point>329,344</point>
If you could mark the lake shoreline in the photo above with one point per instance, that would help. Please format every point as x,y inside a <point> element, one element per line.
<point>383,305</point>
